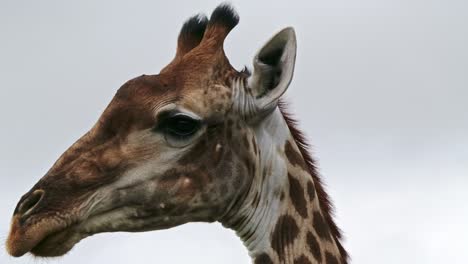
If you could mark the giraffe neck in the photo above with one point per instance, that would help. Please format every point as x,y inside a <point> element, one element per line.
<point>279,219</point>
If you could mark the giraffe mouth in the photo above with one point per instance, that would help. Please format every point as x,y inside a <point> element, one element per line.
<point>50,238</point>
<point>57,243</point>
<point>45,238</point>
<point>61,241</point>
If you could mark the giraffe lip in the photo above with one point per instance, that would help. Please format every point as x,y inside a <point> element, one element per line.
<point>44,239</point>
<point>56,243</point>
<point>59,241</point>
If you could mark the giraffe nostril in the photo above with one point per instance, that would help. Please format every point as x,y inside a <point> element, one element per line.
<point>30,202</point>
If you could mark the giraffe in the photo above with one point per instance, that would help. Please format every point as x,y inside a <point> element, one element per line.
<point>198,142</point>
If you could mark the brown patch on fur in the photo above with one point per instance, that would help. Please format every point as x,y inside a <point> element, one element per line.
<point>330,259</point>
<point>263,259</point>
<point>284,234</point>
<point>314,246</point>
<point>324,200</point>
<point>321,227</point>
<point>296,192</point>
<point>311,190</point>
<point>302,259</point>
<point>293,156</point>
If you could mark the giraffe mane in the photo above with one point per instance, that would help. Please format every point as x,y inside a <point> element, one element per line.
<point>324,200</point>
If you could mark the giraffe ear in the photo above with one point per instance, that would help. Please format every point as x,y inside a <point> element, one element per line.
<point>273,68</point>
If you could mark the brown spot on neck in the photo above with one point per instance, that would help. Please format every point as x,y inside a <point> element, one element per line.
<point>263,259</point>
<point>296,192</point>
<point>302,259</point>
<point>284,234</point>
<point>311,190</point>
<point>294,157</point>
<point>314,246</point>
<point>321,227</point>
<point>330,258</point>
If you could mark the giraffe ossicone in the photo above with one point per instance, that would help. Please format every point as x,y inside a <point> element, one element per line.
<point>200,141</point>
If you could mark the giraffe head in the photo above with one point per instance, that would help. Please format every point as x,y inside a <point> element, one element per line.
<point>170,148</point>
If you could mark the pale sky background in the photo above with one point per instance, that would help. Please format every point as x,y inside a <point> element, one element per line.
<point>381,89</point>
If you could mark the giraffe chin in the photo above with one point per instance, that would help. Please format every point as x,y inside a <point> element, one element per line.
<point>57,244</point>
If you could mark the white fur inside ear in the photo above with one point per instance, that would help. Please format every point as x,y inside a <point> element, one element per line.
<point>273,69</point>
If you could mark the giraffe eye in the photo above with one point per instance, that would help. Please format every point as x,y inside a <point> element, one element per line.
<point>178,128</point>
<point>181,126</point>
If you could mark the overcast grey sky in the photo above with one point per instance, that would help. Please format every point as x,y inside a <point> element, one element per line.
<point>381,89</point>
